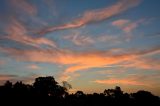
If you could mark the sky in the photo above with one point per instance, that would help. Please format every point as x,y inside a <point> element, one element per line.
<point>92,44</point>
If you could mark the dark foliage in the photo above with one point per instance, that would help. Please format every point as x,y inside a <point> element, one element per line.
<point>45,91</point>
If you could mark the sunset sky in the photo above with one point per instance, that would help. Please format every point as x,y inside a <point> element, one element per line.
<point>92,44</point>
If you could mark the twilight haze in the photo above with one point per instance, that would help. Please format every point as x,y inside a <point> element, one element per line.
<point>92,44</point>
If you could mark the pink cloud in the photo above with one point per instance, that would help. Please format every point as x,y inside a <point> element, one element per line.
<point>17,32</point>
<point>95,15</point>
<point>120,81</point>
<point>33,67</point>
<point>143,63</point>
<point>79,61</point>
<point>25,6</point>
<point>2,62</point>
<point>84,40</point>
<point>120,23</point>
<point>79,40</point>
<point>127,26</point>
<point>4,77</point>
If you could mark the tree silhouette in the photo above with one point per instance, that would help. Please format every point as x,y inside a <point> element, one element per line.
<point>47,86</point>
<point>117,92</point>
<point>79,94</point>
<point>66,85</point>
<point>45,91</point>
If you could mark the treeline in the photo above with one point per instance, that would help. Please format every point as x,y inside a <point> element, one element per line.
<point>45,91</point>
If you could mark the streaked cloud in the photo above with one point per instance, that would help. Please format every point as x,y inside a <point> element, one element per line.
<point>135,80</point>
<point>79,61</point>
<point>28,79</point>
<point>68,77</point>
<point>25,6</point>
<point>16,31</point>
<point>127,26</point>
<point>4,77</point>
<point>120,23</point>
<point>109,38</point>
<point>143,63</point>
<point>79,39</point>
<point>2,62</point>
<point>131,26</point>
<point>33,67</point>
<point>95,15</point>
<point>120,81</point>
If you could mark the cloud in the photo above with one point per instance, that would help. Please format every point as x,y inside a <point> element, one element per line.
<point>17,32</point>
<point>108,38</point>
<point>137,80</point>
<point>143,63</point>
<point>79,61</point>
<point>120,23</point>
<point>131,26</point>
<point>127,26</point>
<point>4,77</point>
<point>33,67</point>
<point>24,5</point>
<point>79,40</point>
<point>84,40</point>
<point>2,62</point>
<point>95,15</point>
<point>120,81</point>
<point>68,77</point>
<point>14,78</point>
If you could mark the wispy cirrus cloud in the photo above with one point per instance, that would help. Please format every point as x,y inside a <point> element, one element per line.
<point>14,78</point>
<point>127,26</point>
<point>79,40</point>
<point>79,61</point>
<point>120,81</point>
<point>143,63</point>
<point>2,62</point>
<point>33,67</point>
<point>4,77</point>
<point>84,40</point>
<point>120,23</point>
<point>16,31</point>
<point>25,6</point>
<point>136,80</point>
<point>95,15</point>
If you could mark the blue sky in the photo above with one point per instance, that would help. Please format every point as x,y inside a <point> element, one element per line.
<point>93,44</point>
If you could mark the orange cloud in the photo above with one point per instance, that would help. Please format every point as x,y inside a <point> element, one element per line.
<point>79,61</point>
<point>33,67</point>
<point>121,81</point>
<point>96,15</point>
<point>17,32</point>
<point>25,6</point>
<point>143,63</point>
<point>4,77</point>
<point>14,78</point>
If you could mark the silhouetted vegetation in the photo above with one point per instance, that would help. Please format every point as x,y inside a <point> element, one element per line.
<point>45,91</point>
